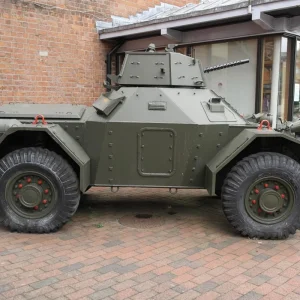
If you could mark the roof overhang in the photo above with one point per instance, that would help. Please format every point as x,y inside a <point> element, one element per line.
<point>270,16</point>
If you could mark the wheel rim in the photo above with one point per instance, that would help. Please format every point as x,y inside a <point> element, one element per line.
<point>269,200</point>
<point>31,195</point>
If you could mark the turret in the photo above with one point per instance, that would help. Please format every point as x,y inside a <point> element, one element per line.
<point>160,69</point>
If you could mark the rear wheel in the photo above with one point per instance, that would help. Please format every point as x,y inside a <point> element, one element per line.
<point>261,196</point>
<point>39,190</point>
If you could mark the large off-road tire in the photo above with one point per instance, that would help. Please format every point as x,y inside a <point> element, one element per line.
<point>261,196</point>
<point>39,190</point>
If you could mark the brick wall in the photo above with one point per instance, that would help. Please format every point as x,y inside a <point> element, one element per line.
<point>51,53</point>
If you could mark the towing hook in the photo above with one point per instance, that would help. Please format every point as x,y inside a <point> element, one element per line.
<point>37,117</point>
<point>264,122</point>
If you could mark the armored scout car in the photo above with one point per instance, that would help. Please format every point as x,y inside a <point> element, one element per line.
<point>159,126</point>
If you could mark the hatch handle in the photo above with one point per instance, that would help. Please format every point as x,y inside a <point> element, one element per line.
<point>264,122</point>
<point>37,117</point>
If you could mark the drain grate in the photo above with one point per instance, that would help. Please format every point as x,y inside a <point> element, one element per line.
<point>142,221</point>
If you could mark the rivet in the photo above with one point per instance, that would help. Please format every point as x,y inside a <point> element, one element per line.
<point>218,145</point>
<point>198,146</point>
<point>191,180</point>
<point>142,158</point>
<point>171,134</point>
<point>178,93</point>
<point>196,157</point>
<point>143,170</point>
<point>110,156</point>
<point>143,146</point>
<point>194,93</point>
<point>171,147</point>
<point>143,134</point>
<point>137,95</point>
<point>76,127</point>
<point>160,95</point>
<point>193,169</point>
<point>110,144</point>
<point>77,137</point>
<point>110,180</point>
<point>110,168</point>
<point>170,171</point>
<point>200,134</point>
<point>110,132</point>
<point>170,159</point>
<point>221,133</point>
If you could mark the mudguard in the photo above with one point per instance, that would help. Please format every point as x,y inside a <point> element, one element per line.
<point>61,137</point>
<point>232,149</point>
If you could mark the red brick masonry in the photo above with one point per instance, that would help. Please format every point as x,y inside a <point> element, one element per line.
<point>50,51</point>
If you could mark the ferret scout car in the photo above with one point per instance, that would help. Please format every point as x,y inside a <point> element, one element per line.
<point>159,126</point>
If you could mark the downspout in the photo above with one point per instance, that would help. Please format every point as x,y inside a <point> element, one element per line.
<point>249,6</point>
<point>108,61</point>
<point>275,80</point>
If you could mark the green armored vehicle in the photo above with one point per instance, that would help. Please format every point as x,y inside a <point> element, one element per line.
<point>159,126</point>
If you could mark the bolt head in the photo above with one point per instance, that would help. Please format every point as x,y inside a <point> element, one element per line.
<point>282,196</point>
<point>36,208</point>
<point>20,185</point>
<point>256,191</point>
<point>29,180</point>
<point>40,182</point>
<point>46,191</point>
<point>276,187</point>
<point>254,202</point>
<point>45,201</point>
<point>266,185</point>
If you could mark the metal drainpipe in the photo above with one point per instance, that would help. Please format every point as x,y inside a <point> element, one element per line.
<point>108,61</point>
<point>275,80</point>
<point>249,6</point>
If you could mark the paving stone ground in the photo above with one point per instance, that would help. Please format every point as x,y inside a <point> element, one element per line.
<point>195,254</point>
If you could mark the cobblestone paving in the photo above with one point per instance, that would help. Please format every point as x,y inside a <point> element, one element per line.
<point>194,254</point>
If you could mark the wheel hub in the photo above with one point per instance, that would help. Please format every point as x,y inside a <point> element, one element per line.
<point>31,195</point>
<point>269,200</point>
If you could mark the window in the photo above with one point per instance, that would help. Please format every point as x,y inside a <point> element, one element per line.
<point>276,56</point>
<point>236,84</point>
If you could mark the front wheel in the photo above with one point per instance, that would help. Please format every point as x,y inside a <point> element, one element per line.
<point>39,190</point>
<point>261,196</point>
